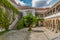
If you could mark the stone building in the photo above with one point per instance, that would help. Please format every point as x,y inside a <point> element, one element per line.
<point>39,13</point>
<point>51,15</point>
<point>52,18</point>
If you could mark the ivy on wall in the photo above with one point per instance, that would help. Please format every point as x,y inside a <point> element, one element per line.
<point>8,5</point>
<point>4,19</point>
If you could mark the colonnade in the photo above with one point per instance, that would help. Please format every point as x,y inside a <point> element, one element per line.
<point>53,24</point>
<point>55,9</point>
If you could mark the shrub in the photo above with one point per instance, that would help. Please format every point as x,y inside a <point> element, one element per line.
<point>20,24</point>
<point>30,20</point>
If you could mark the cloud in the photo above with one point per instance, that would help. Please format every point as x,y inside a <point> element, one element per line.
<point>40,3</point>
<point>49,1</point>
<point>21,2</point>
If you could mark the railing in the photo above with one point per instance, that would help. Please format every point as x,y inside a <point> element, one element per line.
<point>53,16</point>
<point>51,13</point>
<point>14,23</point>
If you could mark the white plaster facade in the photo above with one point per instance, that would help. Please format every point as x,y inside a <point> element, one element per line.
<point>53,16</point>
<point>27,11</point>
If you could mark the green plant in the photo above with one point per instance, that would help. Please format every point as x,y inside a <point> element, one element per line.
<point>4,22</point>
<point>30,20</point>
<point>5,15</point>
<point>20,24</point>
<point>8,5</point>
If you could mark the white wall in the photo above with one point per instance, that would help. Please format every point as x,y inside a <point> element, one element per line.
<point>53,16</point>
<point>25,13</point>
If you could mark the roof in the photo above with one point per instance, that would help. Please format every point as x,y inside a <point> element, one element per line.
<point>24,7</point>
<point>58,3</point>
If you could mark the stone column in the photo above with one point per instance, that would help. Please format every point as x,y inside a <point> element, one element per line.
<point>39,23</point>
<point>52,11</point>
<point>52,25</point>
<point>57,25</point>
<point>48,24</point>
<point>55,10</point>
<point>55,30</point>
<point>33,12</point>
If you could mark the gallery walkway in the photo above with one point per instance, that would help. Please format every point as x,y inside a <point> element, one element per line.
<point>23,34</point>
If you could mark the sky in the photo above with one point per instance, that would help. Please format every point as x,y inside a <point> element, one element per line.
<point>37,3</point>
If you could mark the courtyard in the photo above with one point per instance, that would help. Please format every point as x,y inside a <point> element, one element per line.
<point>37,33</point>
<point>29,20</point>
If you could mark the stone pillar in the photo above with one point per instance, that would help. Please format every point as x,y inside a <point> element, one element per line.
<point>49,23</point>
<point>39,23</point>
<point>43,15</point>
<point>55,30</point>
<point>52,24</point>
<point>52,11</point>
<point>58,25</point>
<point>33,12</point>
<point>55,10</point>
<point>46,23</point>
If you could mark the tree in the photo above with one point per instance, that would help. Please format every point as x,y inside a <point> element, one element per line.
<point>30,20</point>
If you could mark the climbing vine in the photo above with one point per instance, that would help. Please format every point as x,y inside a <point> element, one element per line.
<point>8,5</point>
<point>4,16</point>
<point>4,21</point>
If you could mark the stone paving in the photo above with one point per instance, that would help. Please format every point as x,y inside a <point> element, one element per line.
<point>48,33</point>
<point>16,35</point>
<point>38,36</point>
<point>23,34</point>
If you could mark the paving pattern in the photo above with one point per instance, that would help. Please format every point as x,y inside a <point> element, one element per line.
<point>38,36</point>
<point>16,35</point>
<point>24,35</point>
